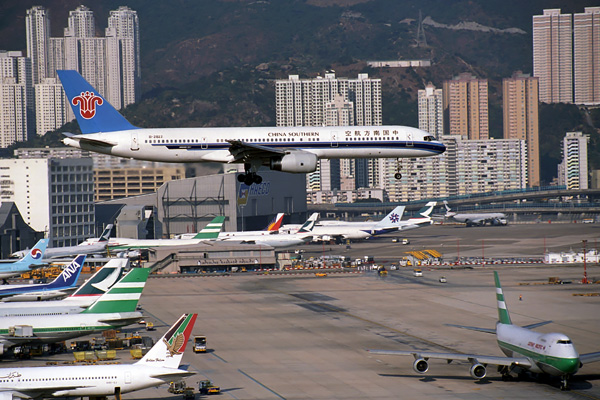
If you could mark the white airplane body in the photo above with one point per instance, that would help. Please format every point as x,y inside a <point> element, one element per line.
<point>114,309</point>
<point>286,149</point>
<point>472,219</point>
<point>31,260</point>
<point>85,296</point>
<point>276,240</point>
<point>160,365</point>
<point>88,246</point>
<point>525,349</point>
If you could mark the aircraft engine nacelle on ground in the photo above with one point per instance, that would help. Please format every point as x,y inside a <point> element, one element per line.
<point>421,366</point>
<point>296,162</point>
<point>478,371</point>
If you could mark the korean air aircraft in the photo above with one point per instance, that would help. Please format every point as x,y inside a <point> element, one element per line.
<point>525,349</point>
<point>33,259</point>
<point>286,149</point>
<point>160,365</point>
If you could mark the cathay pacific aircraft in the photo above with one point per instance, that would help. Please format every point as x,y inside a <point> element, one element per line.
<point>287,149</point>
<point>525,349</point>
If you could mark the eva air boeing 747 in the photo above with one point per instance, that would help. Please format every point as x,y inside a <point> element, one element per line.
<point>287,149</point>
<point>525,349</point>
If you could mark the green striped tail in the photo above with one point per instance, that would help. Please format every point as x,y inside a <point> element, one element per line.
<point>503,314</point>
<point>212,230</point>
<point>124,295</point>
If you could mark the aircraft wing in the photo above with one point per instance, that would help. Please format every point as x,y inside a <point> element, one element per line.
<point>473,328</point>
<point>472,358</point>
<point>532,326</point>
<point>589,357</point>
<point>242,151</point>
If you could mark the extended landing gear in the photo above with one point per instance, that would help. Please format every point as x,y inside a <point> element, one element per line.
<point>398,175</point>
<point>505,371</point>
<point>564,382</point>
<point>249,178</point>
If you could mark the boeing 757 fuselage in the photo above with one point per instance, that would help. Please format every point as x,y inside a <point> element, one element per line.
<point>286,149</point>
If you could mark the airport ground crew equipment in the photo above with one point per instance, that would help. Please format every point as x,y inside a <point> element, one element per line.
<point>207,387</point>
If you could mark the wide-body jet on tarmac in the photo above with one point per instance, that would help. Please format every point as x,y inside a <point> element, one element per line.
<point>287,149</point>
<point>525,349</point>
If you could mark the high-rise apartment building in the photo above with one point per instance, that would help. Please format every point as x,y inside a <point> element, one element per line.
<point>37,30</point>
<point>553,56</point>
<point>573,170</point>
<point>586,56</point>
<point>55,196</point>
<point>466,107</point>
<point>431,110</point>
<point>521,119</point>
<point>16,98</point>
<point>111,64</point>
<point>50,106</point>
<point>303,102</point>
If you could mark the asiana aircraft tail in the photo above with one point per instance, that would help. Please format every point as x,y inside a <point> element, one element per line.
<point>287,149</point>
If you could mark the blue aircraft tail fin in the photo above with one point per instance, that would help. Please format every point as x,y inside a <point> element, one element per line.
<point>93,112</point>
<point>69,275</point>
<point>35,255</point>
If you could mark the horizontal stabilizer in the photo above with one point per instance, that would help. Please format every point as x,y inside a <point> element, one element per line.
<point>473,328</point>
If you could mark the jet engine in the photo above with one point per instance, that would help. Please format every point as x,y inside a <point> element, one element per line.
<point>296,162</point>
<point>477,371</point>
<point>421,365</point>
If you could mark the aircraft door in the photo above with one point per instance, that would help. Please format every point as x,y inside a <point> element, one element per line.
<point>134,141</point>
<point>410,140</point>
<point>334,138</point>
<point>203,143</point>
<point>127,376</point>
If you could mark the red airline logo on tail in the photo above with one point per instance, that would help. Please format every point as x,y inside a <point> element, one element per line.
<point>87,104</point>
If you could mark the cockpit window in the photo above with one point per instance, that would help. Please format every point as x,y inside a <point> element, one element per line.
<point>428,138</point>
<point>566,341</point>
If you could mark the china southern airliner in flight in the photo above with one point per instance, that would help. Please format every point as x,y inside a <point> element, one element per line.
<point>287,149</point>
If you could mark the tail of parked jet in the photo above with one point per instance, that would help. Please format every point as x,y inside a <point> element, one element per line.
<point>69,275</point>
<point>426,211</point>
<point>93,112</point>
<point>124,295</point>
<point>102,280</point>
<point>276,223</point>
<point>211,231</point>
<point>168,351</point>
<point>392,219</point>
<point>449,212</point>
<point>105,236</point>
<point>309,224</point>
<point>36,254</point>
<point>502,310</point>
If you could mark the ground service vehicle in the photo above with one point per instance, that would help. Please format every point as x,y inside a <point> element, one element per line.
<point>417,272</point>
<point>199,344</point>
<point>207,387</point>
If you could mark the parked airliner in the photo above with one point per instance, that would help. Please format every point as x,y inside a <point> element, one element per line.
<point>160,365</point>
<point>61,286</point>
<point>31,260</point>
<point>473,219</point>
<point>287,149</point>
<point>525,349</point>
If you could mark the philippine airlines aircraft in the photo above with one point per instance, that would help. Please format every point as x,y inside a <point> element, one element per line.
<point>31,260</point>
<point>497,219</point>
<point>525,349</point>
<point>287,149</point>
<point>85,296</point>
<point>271,228</point>
<point>303,235</point>
<point>160,365</point>
<point>89,246</point>
<point>63,284</point>
<point>114,309</point>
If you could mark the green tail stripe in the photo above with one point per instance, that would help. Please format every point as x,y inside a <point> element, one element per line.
<point>124,295</point>
<point>503,314</point>
<point>212,229</point>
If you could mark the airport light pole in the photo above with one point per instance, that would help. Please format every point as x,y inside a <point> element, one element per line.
<point>585,279</point>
